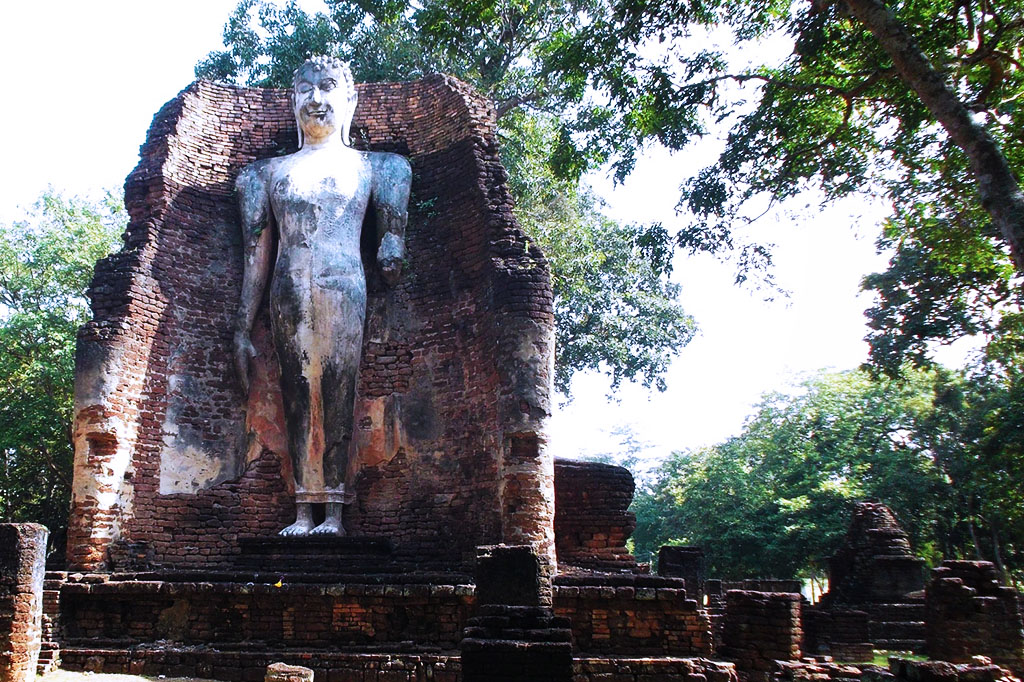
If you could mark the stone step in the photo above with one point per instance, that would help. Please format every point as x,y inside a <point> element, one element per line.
<point>315,554</point>
<point>915,645</point>
<point>896,630</point>
<point>518,634</point>
<point>896,612</point>
<point>49,660</point>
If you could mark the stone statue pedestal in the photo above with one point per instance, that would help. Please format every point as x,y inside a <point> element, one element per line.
<point>316,554</point>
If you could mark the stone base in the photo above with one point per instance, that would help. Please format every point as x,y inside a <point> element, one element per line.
<point>316,554</point>
<point>516,644</point>
<point>386,612</point>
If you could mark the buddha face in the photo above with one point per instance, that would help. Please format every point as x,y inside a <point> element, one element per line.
<point>325,99</point>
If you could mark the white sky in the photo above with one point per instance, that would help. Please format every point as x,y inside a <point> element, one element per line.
<point>84,78</point>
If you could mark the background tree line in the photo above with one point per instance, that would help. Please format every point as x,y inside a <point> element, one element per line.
<point>942,449</point>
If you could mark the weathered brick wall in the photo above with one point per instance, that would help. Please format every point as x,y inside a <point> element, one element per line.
<point>686,562</point>
<point>22,567</point>
<point>592,517</point>
<point>633,616</point>
<point>842,634</point>
<point>264,615</point>
<point>453,393</point>
<point>970,613</point>
<point>761,628</point>
<point>250,666</point>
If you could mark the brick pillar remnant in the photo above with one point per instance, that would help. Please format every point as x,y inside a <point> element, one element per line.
<point>515,636</point>
<point>527,490</point>
<point>970,613</point>
<point>761,628</point>
<point>22,568</point>
<point>688,563</point>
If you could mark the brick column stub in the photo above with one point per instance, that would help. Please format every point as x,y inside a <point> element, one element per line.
<point>22,568</point>
<point>761,628</point>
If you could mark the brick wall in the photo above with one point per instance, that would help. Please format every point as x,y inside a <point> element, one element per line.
<point>377,667</point>
<point>592,517</point>
<point>761,628</point>
<point>970,613</point>
<point>22,567</point>
<point>633,615</point>
<point>232,614</point>
<point>453,393</point>
<point>843,634</point>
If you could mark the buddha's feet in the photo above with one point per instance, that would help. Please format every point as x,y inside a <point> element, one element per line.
<point>300,527</point>
<point>329,527</point>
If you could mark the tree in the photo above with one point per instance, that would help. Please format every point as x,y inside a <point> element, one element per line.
<point>775,500</point>
<point>857,107</point>
<point>942,449</point>
<point>46,263</point>
<point>616,308</point>
<point>917,102</point>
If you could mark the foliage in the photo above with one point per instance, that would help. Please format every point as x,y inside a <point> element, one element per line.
<point>46,263</point>
<point>616,310</point>
<point>615,306</point>
<point>775,500</point>
<point>833,115</point>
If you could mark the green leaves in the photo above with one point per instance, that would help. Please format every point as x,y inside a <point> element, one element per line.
<point>615,307</point>
<point>943,450</point>
<point>775,499</point>
<point>46,263</point>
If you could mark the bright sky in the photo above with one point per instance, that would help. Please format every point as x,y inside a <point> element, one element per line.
<point>85,77</point>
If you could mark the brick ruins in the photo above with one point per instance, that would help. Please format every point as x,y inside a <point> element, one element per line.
<point>473,555</point>
<point>22,566</point>
<point>592,520</point>
<point>453,388</point>
<point>970,613</point>
<point>873,576</point>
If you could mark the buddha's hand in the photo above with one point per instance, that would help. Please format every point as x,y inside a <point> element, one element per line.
<point>244,352</point>
<point>390,257</point>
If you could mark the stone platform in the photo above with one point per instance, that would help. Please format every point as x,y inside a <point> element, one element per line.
<point>610,614</point>
<point>316,554</point>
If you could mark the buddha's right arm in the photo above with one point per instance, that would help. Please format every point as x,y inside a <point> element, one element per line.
<point>256,219</point>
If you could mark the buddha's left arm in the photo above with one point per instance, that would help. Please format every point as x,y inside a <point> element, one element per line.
<point>392,181</point>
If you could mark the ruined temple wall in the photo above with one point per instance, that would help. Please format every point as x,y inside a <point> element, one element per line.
<point>592,517</point>
<point>454,384</point>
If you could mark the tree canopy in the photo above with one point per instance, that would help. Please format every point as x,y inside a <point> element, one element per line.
<point>917,101</point>
<point>936,447</point>
<point>46,263</point>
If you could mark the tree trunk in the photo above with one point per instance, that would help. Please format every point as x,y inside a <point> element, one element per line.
<point>997,555</point>
<point>1001,195</point>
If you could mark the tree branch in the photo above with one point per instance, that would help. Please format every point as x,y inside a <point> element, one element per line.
<point>999,190</point>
